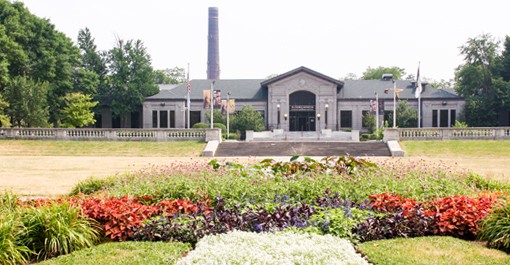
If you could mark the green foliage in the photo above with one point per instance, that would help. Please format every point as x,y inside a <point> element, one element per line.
<point>339,222</point>
<point>12,242</point>
<point>132,77</point>
<point>27,102</point>
<point>200,125</point>
<point>495,229</point>
<point>460,124</point>
<point>483,79</point>
<point>58,228</point>
<point>368,121</point>
<point>248,119</point>
<point>91,185</point>
<point>174,75</point>
<point>407,116</point>
<point>4,119</point>
<point>78,110</point>
<point>377,73</point>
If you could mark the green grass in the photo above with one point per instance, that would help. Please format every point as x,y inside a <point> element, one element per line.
<point>125,253</point>
<point>431,250</point>
<point>100,148</point>
<point>456,148</point>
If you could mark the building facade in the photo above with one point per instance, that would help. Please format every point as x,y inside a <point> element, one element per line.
<point>300,100</point>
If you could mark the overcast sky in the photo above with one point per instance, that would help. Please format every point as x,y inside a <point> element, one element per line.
<point>265,37</point>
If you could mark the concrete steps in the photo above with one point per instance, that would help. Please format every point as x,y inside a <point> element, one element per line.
<point>287,148</point>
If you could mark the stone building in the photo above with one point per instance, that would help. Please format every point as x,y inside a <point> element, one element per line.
<point>300,100</point>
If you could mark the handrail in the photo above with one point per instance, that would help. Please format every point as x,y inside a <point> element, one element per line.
<point>470,133</point>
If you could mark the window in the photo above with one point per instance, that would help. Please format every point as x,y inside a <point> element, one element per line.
<point>434,118</point>
<point>154,119</point>
<point>346,119</point>
<point>443,118</point>
<point>453,117</point>
<point>163,119</point>
<point>172,119</point>
<point>364,121</point>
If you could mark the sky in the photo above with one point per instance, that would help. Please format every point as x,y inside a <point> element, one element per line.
<point>267,37</point>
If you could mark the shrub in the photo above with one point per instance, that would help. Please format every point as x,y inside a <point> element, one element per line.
<point>495,229</point>
<point>338,222</point>
<point>57,228</point>
<point>91,185</point>
<point>200,125</point>
<point>12,243</point>
<point>459,216</point>
<point>117,216</point>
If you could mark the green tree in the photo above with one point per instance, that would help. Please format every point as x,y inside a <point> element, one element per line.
<point>78,110</point>
<point>377,73</point>
<point>91,78</point>
<point>248,119</point>
<point>131,77</point>
<point>478,81</point>
<point>407,116</point>
<point>27,102</point>
<point>368,121</point>
<point>4,119</point>
<point>174,75</point>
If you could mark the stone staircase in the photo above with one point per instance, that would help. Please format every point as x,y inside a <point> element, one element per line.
<point>287,148</point>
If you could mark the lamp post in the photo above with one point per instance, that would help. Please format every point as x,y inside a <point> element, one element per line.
<point>228,115</point>
<point>394,103</point>
<point>319,120</point>
<point>326,115</point>
<point>278,116</point>
<point>212,102</point>
<point>377,111</point>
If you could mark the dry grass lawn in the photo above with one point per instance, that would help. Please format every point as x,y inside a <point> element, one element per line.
<point>36,168</point>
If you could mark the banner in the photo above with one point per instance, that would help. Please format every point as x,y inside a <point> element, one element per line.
<point>373,107</point>
<point>231,108</point>
<point>381,106</point>
<point>207,99</point>
<point>217,99</point>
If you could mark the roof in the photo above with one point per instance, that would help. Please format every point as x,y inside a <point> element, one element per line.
<point>366,89</point>
<point>249,89</point>
<point>298,70</point>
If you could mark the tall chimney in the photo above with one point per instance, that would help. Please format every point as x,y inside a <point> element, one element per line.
<point>213,55</point>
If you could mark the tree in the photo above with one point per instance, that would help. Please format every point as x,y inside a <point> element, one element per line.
<point>368,120</point>
<point>78,110</point>
<point>131,77</point>
<point>4,119</point>
<point>248,119</point>
<point>377,73</point>
<point>91,78</point>
<point>174,75</point>
<point>27,102</point>
<point>407,116</point>
<point>476,79</point>
<point>351,76</point>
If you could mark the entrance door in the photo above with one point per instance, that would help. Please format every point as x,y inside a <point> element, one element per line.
<point>302,111</point>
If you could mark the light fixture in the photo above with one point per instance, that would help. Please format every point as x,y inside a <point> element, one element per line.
<point>318,116</point>
<point>285,116</point>
<point>326,106</point>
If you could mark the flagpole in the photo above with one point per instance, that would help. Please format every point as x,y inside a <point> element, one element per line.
<point>418,94</point>
<point>377,111</point>
<point>189,101</point>
<point>394,103</point>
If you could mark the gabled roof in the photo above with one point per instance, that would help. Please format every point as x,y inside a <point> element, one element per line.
<point>298,70</point>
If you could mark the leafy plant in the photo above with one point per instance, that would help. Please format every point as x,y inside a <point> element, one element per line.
<point>117,216</point>
<point>91,185</point>
<point>12,242</point>
<point>57,228</point>
<point>495,229</point>
<point>459,216</point>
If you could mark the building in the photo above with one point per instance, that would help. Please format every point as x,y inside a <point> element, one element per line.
<point>300,100</point>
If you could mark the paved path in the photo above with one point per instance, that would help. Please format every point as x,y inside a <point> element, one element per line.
<point>265,149</point>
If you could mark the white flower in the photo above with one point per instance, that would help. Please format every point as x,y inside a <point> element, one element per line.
<point>272,248</point>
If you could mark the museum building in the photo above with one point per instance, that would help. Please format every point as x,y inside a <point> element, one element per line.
<point>300,100</point>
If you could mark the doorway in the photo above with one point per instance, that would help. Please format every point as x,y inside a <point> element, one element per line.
<point>302,111</point>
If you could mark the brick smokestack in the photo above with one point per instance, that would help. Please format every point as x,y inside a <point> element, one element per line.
<point>213,51</point>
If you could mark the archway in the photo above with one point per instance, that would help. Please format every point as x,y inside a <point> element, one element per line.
<point>302,111</point>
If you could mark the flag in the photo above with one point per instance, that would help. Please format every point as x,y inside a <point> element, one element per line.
<point>373,107</point>
<point>419,88</point>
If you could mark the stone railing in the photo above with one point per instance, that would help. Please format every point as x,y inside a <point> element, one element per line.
<point>472,133</point>
<point>323,135</point>
<point>161,135</point>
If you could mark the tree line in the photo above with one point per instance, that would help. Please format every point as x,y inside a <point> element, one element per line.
<point>47,80</point>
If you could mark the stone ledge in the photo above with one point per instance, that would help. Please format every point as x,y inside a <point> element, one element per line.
<point>395,149</point>
<point>210,148</point>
